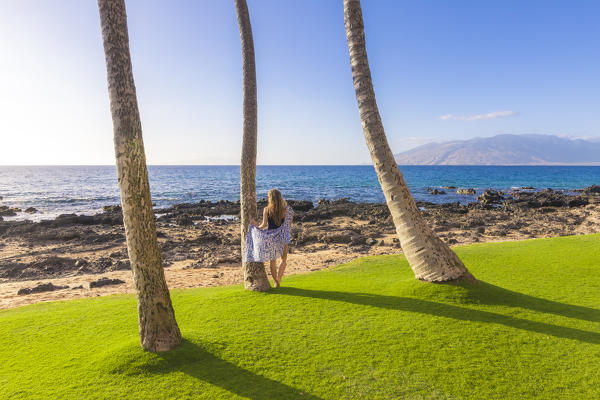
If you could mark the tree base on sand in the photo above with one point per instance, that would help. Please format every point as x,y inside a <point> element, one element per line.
<point>255,277</point>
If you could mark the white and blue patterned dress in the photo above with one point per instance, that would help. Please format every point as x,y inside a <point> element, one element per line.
<point>266,245</point>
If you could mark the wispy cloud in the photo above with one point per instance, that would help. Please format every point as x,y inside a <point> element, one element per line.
<point>490,115</point>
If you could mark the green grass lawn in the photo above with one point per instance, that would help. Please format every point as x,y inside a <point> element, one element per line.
<point>529,329</point>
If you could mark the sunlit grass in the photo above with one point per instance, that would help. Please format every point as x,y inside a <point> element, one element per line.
<point>529,329</point>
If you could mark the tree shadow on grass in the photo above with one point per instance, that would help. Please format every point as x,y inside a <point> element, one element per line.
<point>414,305</point>
<point>486,293</point>
<point>196,362</point>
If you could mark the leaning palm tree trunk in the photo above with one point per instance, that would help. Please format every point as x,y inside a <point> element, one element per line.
<point>158,328</point>
<point>430,259</point>
<point>255,277</point>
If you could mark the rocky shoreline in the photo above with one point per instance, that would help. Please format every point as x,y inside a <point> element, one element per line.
<point>205,236</point>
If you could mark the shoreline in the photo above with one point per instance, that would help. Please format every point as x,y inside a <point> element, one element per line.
<point>200,250</point>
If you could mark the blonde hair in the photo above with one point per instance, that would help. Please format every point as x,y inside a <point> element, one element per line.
<point>276,206</point>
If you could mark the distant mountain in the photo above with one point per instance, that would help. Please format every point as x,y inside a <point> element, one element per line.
<point>506,150</point>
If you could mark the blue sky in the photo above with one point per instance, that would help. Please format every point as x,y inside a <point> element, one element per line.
<point>442,70</point>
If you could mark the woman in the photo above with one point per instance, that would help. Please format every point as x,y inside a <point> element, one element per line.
<point>274,216</point>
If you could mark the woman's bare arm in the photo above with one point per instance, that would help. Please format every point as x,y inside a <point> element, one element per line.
<point>265,221</point>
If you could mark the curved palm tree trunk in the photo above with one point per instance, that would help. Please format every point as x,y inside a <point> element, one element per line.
<point>430,259</point>
<point>158,328</point>
<point>255,277</point>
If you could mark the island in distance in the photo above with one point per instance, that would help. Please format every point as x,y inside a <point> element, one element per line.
<point>530,149</point>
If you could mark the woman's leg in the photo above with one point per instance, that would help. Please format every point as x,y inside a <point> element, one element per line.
<point>283,263</point>
<point>273,264</point>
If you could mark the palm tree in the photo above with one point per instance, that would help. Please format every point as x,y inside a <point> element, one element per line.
<point>158,328</point>
<point>255,277</point>
<point>430,259</point>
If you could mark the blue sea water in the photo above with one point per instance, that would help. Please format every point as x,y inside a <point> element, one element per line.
<point>85,189</point>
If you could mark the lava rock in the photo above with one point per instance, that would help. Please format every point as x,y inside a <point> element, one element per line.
<point>184,220</point>
<point>490,198</point>
<point>300,205</point>
<point>9,211</point>
<point>73,219</point>
<point>112,209</point>
<point>370,241</point>
<point>577,202</point>
<point>31,210</point>
<point>546,198</point>
<point>103,263</point>
<point>435,191</point>
<point>117,254</point>
<point>41,287</point>
<point>594,189</point>
<point>469,191</point>
<point>104,281</point>
<point>123,264</point>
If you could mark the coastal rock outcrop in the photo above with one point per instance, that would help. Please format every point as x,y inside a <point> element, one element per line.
<point>7,211</point>
<point>436,191</point>
<point>545,198</point>
<point>491,198</point>
<point>97,242</point>
<point>468,191</point>
<point>594,189</point>
<point>104,281</point>
<point>41,287</point>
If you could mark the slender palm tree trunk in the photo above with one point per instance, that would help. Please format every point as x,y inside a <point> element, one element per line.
<point>158,328</point>
<point>255,276</point>
<point>430,259</point>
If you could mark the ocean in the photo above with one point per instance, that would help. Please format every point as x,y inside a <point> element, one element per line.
<point>55,190</point>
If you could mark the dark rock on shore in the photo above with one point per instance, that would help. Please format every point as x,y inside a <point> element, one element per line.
<point>41,287</point>
<point>186,214</point>
<point>184,220</point>
<point>594,189</point>
<point>468,191</point>
<point>52,266</point>
<point>491,198</point>
<point>97,242</point>
<point>435,191</point>
<point>9,211</point>
<point>112,209</point>
<point>55,267</point>
<point>104,281</point>
<point>545,198</point>
<point>31,210</point>
<point>61,229</point>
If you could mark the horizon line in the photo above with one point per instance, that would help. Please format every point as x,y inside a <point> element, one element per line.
<point>593,164</point>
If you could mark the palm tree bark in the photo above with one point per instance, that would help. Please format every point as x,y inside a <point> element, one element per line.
<point>255,276</point>
<point>157,325</point>
<point>430,259</point>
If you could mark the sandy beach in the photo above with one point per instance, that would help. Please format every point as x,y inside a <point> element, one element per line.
<point>200,241</point>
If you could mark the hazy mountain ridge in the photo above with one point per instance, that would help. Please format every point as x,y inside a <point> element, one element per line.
<point>530,149</point>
